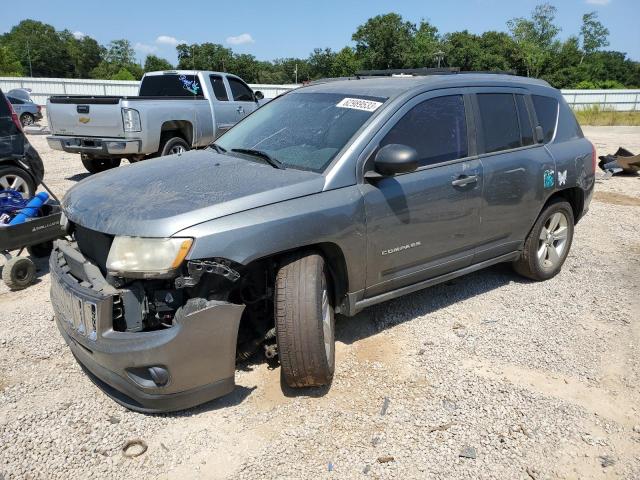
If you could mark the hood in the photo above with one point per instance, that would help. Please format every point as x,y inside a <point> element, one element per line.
<point>159,197</point>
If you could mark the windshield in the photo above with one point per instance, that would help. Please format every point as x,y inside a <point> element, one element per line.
<point>302,130</point>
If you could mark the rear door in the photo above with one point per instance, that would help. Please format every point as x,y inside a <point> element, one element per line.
<point>224,110</point>
<point>243,99</point>
<point>11,138</point>
<point>516,169</point>
<point>424,224</point>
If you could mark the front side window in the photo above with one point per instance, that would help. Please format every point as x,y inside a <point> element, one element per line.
<point>302,130</point>
<point>499,121</point>
<point>547,113</point>
<point>173,85</point>
<point>435,128</point>
<point>219,90</point>
<point>240,92</point>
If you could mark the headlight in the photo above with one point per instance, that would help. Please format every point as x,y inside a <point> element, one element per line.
<point>131,120</point>
<point>147,257</point>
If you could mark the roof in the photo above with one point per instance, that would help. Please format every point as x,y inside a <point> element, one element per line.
<point>390,87</point>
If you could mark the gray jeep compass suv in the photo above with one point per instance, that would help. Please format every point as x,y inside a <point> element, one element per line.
<point>328,199</point>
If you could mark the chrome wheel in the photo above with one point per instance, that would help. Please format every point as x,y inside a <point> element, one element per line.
<point>27,119</point>
<point>327,324</point>
<point>14,182</point>
<point>553,240</point>
<point>177,149</point>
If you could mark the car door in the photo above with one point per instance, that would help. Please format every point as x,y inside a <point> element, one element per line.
<point>243,99</point>
<point>514,166</point>
<point>224,110</point>
<point>424,223</point>
<point>11,139</point>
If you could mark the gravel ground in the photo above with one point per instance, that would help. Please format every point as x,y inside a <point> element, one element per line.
<point>487,376</point>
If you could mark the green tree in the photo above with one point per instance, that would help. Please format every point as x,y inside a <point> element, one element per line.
<point>245,66</point>
<point>10,66</point>
<point>119,57</point>
<point>536,37</point>
<point>204,56</point>
<point>385,41</point>
<point>154,63</point>
<point>345,63</point>
<point>123,74</point>
<point>593,33</point>
<point>462,49</point>
<point>425,45</point>
<point>120,52</point>
<point>39,48</point>
<point>85,53</point>
<point>321,63</point>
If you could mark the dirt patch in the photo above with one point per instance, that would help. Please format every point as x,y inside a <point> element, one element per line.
<point>613,198</point>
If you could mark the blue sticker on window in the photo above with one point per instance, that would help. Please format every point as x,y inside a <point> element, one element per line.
<point>190,85</point>
<point>549,178</point>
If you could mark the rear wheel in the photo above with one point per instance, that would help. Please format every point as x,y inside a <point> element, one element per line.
<point>27,119</point>
<point>305,321</point>
<point>97,165</point>
<point>19,273</point>
<point>173,146</point>
<point>547,245</point>
<point>14,178</point>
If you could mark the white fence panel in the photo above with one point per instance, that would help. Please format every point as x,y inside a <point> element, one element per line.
<point>43,88</point>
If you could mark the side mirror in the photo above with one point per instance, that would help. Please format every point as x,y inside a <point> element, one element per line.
<point>539,134</point>
<point>258,95</point>
<point>394,158</point>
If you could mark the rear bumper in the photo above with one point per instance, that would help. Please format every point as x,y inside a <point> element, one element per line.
<point>156,371</point>
<point>95,146</point>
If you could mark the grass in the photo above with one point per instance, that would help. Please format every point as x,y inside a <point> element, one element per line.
<point>598,116</point>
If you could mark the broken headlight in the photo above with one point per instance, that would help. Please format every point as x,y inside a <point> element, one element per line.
<point>146,257</point>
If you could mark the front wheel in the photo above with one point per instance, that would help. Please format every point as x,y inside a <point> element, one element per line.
<point>547,245</point>
<point>97,165</point>
<point>305,321</point>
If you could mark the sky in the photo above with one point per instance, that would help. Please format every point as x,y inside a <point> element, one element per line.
<point>286,28</point>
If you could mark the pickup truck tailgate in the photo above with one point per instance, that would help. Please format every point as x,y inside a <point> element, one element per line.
<point>85,116</point>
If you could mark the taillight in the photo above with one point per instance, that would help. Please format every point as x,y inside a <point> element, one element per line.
<point>14,117</point>
<point>594,157</point>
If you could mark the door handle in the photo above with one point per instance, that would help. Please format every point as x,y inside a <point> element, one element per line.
<point>240,110</point>
<point>463,180</point>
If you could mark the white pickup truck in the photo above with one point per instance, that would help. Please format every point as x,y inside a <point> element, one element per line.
<point>174,111</point>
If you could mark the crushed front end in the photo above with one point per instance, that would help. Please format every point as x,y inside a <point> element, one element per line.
<point>152,344</point>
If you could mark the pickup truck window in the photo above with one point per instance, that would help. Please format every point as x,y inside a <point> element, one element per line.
<point>302,130</point>
<point>219,90</point>
<point>174,85</point>
<point>436,128</point>
<point>499,121</point>
<point>240,92</point>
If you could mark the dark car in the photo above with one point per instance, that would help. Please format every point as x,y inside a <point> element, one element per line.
<point>329,199</point>
<point>14,147</point>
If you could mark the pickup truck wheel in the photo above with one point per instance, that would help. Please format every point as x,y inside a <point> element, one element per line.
<point>547,245</point>
<point>173,146</point>
<point>305,321</point>
<point>14,178</point>
<point>97,165</point>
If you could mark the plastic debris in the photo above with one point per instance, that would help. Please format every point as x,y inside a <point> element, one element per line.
<point>623,161</point>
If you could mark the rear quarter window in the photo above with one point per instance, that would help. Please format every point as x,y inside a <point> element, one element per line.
<point>547,112</point>
<point>568,127</point>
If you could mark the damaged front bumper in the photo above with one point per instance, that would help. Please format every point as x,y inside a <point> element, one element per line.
<point>156,371</point>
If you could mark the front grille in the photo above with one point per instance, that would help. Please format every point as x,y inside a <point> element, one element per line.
<point>94,245</point>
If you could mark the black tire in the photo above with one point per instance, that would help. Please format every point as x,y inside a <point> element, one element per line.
<point>27,119</point>
<point>97,165</point>
<point>40,250</point>
<point>543,266</point>
<point>173,146</point>
<point>19,273</point>
<point>11,175</point>
<point>301,285</point>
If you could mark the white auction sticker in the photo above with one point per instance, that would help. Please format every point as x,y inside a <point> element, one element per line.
<point>359,104</point>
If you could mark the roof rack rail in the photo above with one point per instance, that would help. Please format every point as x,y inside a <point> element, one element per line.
<point>417,72</point>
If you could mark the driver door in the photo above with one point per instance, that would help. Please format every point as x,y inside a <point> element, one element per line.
<point>424,223</point>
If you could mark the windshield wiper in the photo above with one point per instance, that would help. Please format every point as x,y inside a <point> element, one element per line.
<point>217,147</point>
<point>260,154</point>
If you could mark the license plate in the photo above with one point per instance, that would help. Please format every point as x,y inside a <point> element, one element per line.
<point>78,313</point>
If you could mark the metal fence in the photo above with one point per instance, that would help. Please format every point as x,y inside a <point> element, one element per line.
<point>42,88</point>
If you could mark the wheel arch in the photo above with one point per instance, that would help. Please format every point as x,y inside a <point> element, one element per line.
<point>180,128</point>
<point>574,196</point>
